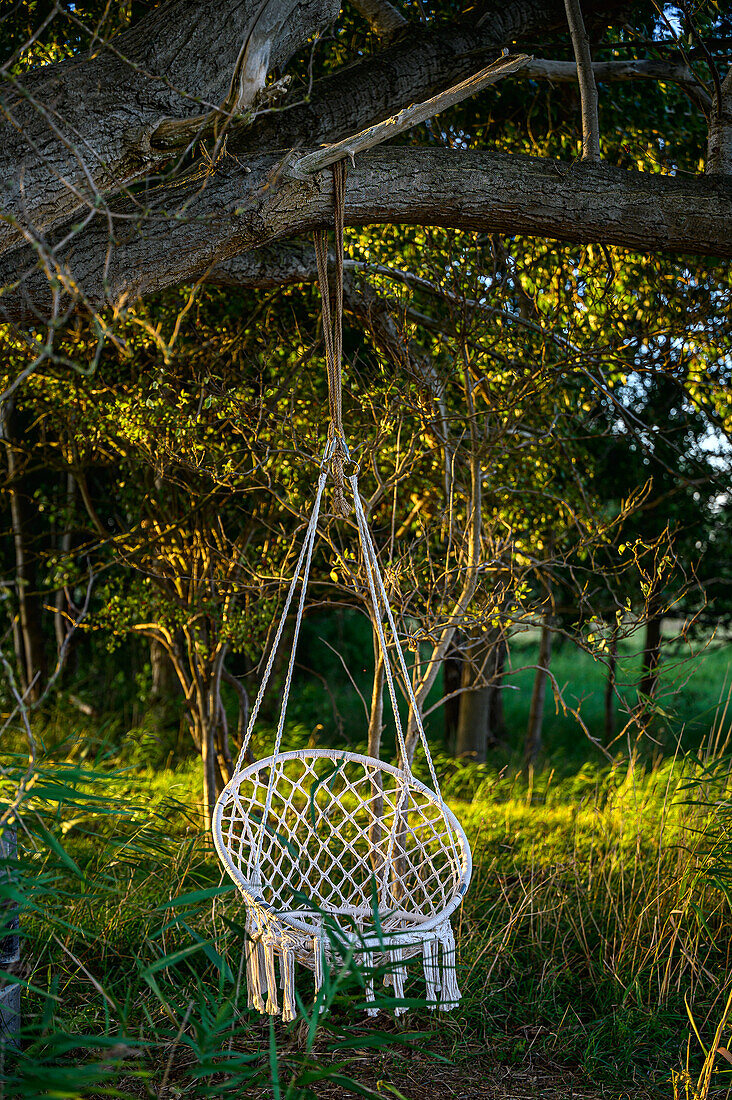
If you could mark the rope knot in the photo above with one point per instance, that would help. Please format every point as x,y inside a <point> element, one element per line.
<point>341,507</point>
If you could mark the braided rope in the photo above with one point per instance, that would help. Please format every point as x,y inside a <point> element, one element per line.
<point>370,552</point>
<point>307,548</point>
<point>379,598</point>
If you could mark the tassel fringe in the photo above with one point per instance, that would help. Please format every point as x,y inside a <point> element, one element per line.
<point>287,970</point>
<point>438,961</point>
<point>255,987</point>
<point>431,973</point>
<point>397,978</point>
<point>318,951</point>
<point>269,961</point>
<point>368,965</point>
<point>450,990</point>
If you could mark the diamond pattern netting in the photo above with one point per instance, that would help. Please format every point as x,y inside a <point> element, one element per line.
<point>328,844</point>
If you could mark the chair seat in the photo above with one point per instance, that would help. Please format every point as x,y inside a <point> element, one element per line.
<point>349,842</point>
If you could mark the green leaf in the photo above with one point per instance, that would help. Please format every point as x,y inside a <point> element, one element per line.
<point>197,896</point>
<point>58,848</point>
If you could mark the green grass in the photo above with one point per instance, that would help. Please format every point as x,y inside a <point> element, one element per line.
<point>692,679</point>
<point>598,917</point>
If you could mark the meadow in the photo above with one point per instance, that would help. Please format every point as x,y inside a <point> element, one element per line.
<point>594,941</point>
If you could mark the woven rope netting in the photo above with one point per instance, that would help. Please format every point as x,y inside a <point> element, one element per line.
<point>327,840</point>
<point>335,852</point>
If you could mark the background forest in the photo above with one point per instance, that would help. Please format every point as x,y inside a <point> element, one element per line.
<point>543,434</point>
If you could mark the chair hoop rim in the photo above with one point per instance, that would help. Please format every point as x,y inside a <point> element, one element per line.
<point>352,757</point>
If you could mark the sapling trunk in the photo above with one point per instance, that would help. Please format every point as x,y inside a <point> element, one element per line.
<point>532,746</point>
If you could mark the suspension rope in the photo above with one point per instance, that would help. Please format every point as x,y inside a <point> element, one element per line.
<point>370,554</point>
<point>372,567</point>
<point>382,608</point>
<point>336,455</point>
<point>333,336</point>
<point>305,557</point>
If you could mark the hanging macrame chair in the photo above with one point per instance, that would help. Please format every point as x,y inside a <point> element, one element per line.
<point>336,853</point>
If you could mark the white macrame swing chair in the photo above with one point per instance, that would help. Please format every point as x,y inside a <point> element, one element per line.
<point>336,853</point>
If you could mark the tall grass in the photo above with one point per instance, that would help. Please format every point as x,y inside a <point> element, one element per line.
<point>133,953</point>
<point>599,922</point>
<point>596,933</point>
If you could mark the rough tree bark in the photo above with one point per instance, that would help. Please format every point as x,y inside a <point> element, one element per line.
<point>480,672</point>
<point>77,133</point>
<point>463,189</point>
<point>471,743</point>
<point>719,150</point>
<point>79,128</point>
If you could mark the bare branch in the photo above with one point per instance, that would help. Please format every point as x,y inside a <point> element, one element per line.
<point>406,119</point>
<point>616,71</point>
<point>586,78</point>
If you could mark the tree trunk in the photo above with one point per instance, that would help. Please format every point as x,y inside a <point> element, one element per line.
<point>61,625</point>
<point>477,701</point>
<point>532,745</point>
<point>242,720</point>
<point>496,714</point>
<point>28,637</point>
<point>9,951</point>
<point>205,735</point>
<point>223,748</point>
<point>719,147</point>
<point>165,684</point>
<point>610,688</point>
<point>474,705</point>
<point>651,658</point>
<point>452,668</point>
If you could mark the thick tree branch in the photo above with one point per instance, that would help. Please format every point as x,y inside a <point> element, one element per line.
<point>75,132</point>
<point>719,151</point>
<point>417,66</point>
<point>248,79</point>
<point>406,119</point>
<point>78,132</point>
<point>235,210</point>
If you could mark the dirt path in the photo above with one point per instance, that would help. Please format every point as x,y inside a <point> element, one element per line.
<point>425,1079</point>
